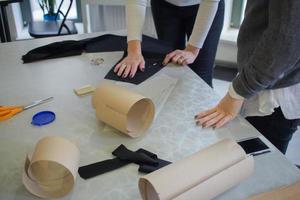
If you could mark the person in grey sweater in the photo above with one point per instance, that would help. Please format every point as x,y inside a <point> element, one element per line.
<point>267,87</point>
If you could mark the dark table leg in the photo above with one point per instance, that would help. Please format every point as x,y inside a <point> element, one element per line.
<point>4,29</point>
<point>2,33</point>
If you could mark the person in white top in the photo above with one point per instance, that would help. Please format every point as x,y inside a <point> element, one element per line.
<point>267,87</point>
<point>176,21</point>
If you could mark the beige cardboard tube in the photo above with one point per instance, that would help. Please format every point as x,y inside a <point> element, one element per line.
<point>51,171</point>
<point>203,175</point>
<point>129,112</point>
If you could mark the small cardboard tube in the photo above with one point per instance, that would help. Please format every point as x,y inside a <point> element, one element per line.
<point>52,169</point>
<point>129,112</point>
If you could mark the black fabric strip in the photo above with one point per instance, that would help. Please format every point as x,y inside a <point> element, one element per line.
<point>148,162</point>
<point>54,50</point>
<point>134,157</point>
<point>102,167</point>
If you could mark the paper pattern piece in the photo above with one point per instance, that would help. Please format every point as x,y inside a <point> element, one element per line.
<point>52,169</point>
<point>129,112</point>
<point>203,175</point>
<point>84,90</point>
<point>291,192</point>
<point>158,89</point>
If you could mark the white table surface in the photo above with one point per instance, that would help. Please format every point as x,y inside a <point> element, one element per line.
<point>173,135</point>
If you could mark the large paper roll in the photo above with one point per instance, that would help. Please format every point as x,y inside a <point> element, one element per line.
<point>51,171</point>
<point>129,112</point>
<point>203,175</point>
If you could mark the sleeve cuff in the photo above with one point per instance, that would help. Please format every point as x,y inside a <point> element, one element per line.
<point>233,93</point>
<point>130,38</point>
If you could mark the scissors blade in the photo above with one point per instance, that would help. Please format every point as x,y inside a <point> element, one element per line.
<point>38,102</point>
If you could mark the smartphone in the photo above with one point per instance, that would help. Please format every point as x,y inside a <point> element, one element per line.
<point>254,146</point>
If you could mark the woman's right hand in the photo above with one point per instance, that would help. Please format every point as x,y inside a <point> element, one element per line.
<point>132,62</point>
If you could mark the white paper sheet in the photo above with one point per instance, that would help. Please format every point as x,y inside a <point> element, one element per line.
<point>158,89</point>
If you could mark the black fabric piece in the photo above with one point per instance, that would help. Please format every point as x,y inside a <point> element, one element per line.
<point>103,43</point>
<point>54,50</point>
<point>101,167</point>
<point>148,162</point>
<point>153,64</point>
<point>109,42</point>
<point>148,153</point>
<point>150,168</point>
<point>140,158</point>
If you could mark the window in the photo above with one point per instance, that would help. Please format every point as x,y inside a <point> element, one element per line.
<point>32,11</point>
<point>37,13</point>
<point>237,13</point>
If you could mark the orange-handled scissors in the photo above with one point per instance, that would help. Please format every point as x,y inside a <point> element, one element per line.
<point>7,112</point>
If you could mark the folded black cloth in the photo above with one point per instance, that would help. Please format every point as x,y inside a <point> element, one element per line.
<point>147,168</point>
<point>148,162</point>
<point>54,50</point>
<point>103,43</point>
<point>150,168</point>
<point>138,157</point>
<point>153,64</point>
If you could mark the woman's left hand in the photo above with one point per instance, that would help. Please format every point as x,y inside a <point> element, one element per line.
<point>182,57</point>
<point>227,109</point>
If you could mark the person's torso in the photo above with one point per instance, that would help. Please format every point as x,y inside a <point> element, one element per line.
<point>255,23</point>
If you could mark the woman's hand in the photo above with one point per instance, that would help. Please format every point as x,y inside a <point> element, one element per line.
<point>182,57</point>
<point>227,109</point>
<point>129,65</point>
<point>132,62</point>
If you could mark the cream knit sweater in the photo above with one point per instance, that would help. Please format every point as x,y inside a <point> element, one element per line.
<point>136,10</point>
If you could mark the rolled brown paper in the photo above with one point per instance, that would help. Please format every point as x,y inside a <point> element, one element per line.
<point>203,175</point>
<point>51,171</point>
<point>129,112</point>
<point>290,192</point>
